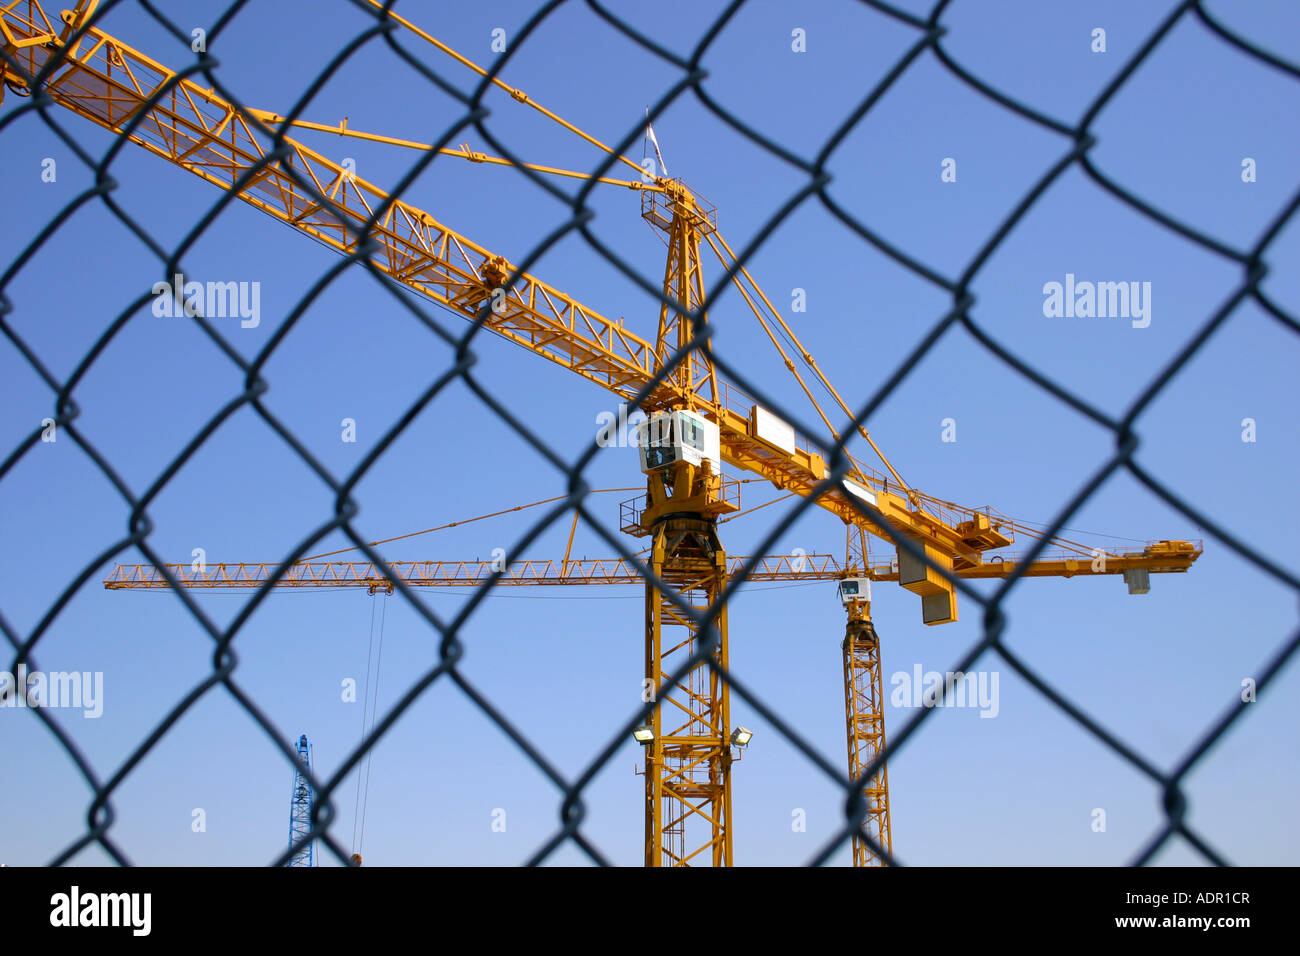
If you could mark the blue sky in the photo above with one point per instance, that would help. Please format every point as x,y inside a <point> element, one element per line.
<point>566,666</point>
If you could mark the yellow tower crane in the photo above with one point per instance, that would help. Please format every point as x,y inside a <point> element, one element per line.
<point>696,420</point>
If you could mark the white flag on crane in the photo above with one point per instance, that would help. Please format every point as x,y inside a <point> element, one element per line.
<point>650,135</point>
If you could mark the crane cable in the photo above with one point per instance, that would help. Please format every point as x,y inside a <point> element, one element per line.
<point>453,524</point>
<point>369,705</point>
<point>804,355</point>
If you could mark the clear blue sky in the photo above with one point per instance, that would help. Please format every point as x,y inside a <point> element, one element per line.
<point>566,666</point>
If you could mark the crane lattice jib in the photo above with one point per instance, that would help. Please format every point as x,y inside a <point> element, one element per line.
<point>1155,558</point>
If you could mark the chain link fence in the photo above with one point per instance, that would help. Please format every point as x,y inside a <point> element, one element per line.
<point>1077,140</point>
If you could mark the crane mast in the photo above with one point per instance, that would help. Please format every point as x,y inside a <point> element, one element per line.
<point>864,717</point>
<point>688,756</point>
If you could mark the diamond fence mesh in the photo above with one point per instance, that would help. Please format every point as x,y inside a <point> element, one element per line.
<point>1077,141</point>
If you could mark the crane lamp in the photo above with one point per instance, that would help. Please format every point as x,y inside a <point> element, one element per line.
<point>741,737</point>
<point>643,734</point>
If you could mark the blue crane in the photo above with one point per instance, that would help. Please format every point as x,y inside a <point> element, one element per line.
<point>300,804</point>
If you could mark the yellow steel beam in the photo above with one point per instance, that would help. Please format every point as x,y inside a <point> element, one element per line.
<point>1158,557</point>
<point>516,94</point>
<point>448,574</point>
<point>108,83</point>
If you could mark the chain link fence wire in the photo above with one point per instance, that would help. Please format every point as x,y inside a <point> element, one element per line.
<point>1077,139</point>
